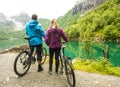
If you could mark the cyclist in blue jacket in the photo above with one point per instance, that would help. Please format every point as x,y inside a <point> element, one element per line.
<point>35,32</point>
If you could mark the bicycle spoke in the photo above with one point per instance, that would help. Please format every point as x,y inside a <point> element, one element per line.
<point>22,63</point>
<point>70,75</point>
<point>21,66</point>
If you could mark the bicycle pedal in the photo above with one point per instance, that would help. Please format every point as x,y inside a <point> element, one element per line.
<point>33,59</point>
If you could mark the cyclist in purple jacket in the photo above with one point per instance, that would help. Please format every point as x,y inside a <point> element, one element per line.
<point>53,40</point>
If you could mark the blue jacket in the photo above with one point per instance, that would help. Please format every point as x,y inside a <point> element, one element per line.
<point>35,32</point>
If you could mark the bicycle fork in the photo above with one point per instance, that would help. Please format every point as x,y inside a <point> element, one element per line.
<point>61,66</point>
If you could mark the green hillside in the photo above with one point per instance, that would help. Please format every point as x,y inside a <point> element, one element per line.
<point>11,34</point>
<point>3,35</point>
<point>7,33</point>
<point>103,23</point>
<point>45,23</point>
<point>67,19</point>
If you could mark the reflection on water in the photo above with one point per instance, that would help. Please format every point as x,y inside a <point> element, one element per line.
<point>75,49</point>
<point>6,44</point>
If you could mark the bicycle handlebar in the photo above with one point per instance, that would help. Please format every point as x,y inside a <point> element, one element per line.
<point>63,44</point>
<point>27,38</point>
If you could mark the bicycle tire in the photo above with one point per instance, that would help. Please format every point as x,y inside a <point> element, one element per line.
<point>69,72</point>
<point>44,55</point>
<point>23,63</point>
<point>61,71</point>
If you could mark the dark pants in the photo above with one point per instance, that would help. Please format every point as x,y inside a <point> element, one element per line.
<point>53,51</point>
<point>38,51</point>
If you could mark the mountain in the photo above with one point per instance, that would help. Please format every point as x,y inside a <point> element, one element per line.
<point>85,5</point>
<point>13,23</point>
<point>67,19</point>
<point>45,23</point>
<point>5,24</point>
<point>18,22</point>
<point>93,19</point>
<point>15,26</point>
<point>101,22</point>
<point>23,18</point>
<point>81,7</point>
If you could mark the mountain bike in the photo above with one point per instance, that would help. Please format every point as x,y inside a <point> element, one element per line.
<point>23,61</point>
<point>67,67</point>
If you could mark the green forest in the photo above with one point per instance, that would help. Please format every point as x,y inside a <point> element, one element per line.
<point>102,22</point>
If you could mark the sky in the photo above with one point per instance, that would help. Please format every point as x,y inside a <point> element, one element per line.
<point>43,8</point>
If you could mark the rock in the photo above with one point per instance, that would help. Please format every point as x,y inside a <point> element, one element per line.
<point>76,60</point>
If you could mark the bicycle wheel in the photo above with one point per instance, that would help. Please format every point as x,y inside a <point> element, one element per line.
<point>44,55</point>
<point>61,65</point>
<point>69,73</point>
<point>22,63</point>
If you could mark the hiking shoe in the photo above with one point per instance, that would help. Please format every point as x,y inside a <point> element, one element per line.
<point>56,73</point>
<point>50,72</point>
<point>40,68</point>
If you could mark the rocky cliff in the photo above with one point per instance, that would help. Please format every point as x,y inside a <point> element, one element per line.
<point>85,5</point>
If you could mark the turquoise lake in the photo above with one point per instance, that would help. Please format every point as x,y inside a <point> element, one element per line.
<point>74,50</point>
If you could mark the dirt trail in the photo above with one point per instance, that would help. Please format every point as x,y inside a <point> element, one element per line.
<point>43,79</point>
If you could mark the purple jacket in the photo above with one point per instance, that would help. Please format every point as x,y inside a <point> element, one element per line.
<point>53,37</point>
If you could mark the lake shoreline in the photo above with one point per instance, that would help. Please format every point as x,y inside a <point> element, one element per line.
<point>15,49</point>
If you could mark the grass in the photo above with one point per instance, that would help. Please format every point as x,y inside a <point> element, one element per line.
<point>100,67</point>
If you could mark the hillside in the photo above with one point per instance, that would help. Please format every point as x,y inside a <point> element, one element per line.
<point>45,23</point>
<point>14,26</point>
<point>4,23</point>
<point>81,7</point>
<point>67,19</point>
<point>103,22</point>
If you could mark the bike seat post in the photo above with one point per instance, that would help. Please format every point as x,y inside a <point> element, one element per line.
<point>63,50</point>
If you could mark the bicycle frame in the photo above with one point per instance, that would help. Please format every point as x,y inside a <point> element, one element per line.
<point>34,52</point>
<point>24,60</point>
<point>67,67</point>
<point>61,61</point>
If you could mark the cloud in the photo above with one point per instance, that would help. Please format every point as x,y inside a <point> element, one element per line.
<point>44,8</point>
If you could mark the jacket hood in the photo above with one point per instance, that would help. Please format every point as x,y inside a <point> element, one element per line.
<point>33,23</point>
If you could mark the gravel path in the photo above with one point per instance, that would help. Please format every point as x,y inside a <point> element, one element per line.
<point>43,79</point>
